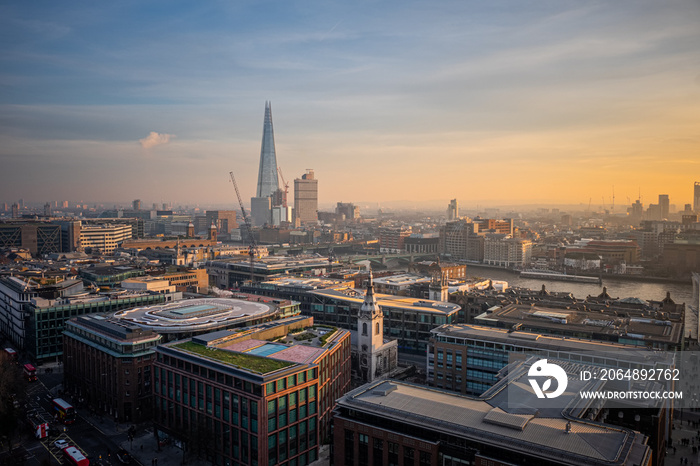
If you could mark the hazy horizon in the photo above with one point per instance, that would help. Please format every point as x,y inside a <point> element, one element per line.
<point>504,103</point>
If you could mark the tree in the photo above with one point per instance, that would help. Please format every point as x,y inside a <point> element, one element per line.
<point>12,397</point>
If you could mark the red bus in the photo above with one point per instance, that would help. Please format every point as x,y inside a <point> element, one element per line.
<point>38,425</point>
<point>74,457</point>
<point>64,411</point>
<point>30,372</point>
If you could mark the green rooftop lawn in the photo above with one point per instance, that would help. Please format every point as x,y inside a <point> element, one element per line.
<point>249,362</point>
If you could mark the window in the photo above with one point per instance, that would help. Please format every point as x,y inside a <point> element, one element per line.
<point>376,328</point>
<point>364,328</point>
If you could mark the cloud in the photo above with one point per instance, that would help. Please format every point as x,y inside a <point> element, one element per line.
<point>155,139</point>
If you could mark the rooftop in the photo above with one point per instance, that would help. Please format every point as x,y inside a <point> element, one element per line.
<point>650,328</point>
<point>353,295</point>
<point>486,421</point>
<point>198,315</point>
<point>535,341</point>
<point>252,363</point>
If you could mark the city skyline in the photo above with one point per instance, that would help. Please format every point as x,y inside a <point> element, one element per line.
<point>551,103</point>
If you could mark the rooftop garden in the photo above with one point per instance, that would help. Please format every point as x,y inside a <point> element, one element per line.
<point>257,364</point>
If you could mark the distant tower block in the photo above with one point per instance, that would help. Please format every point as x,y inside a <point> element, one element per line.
<point>452,210</point>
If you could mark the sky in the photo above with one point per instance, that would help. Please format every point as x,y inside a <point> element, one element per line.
<point>507,102</point>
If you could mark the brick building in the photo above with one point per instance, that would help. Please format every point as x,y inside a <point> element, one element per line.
<point>107,365</point>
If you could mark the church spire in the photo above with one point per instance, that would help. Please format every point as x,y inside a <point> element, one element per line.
<point>369,306</point>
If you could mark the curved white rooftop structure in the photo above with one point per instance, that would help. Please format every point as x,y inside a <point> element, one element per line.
<point>197,315</point>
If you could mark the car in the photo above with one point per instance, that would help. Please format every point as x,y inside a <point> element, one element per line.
<point>123,456</point>
<point>61,444</point>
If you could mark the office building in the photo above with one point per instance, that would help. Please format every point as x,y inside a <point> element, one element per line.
<point>104,238</point>
<point>306,198</point>
<point>260,210</point>
<point>38,238</point>
<point>696,197</point>
<point>107,366</point>
<point>467,358</point>
<point>136,205</point>
<point>347,211</point>
<point>268,181</point>
<point>461,240</point>
<point>229,273</point>
<point>406,319</point>
<point>33,312</point>
<point>452,211</point>
<point>242,399</point>
<point>391,240</point>
<point>506,251</point>
<point>224,220</point>
<point>664,206</point>
<point>392,422</point>
<point>187,318</point>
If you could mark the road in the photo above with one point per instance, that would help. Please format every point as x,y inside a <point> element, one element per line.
<point>84,433</point>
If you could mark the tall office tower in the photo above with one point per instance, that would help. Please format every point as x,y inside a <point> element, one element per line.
<point>696,197</point>
<point>267,173</point>
<point>306,197</point>
<point>452,210</point>
<point>136,204</point>
<point>664,204</point>
<point>268,182</point>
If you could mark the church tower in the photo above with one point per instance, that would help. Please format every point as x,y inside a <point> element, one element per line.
<point>212,232</point>
<point>370,334</point>
<point>438,290</point>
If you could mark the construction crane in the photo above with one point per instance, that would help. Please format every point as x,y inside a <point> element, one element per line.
<point>286,187</point>
<point>252,245</point>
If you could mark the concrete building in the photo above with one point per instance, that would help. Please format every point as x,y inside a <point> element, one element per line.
<point>224,220</point>
<point>391,240</point>
<point>664,205</point>
<point>505,251</point>
<point>105,237</point>
<point>39,238</point>
<point>241,398</point>
<point>229,273</point>
<point>392,422</point>
<point>696,197</point>
<point>461,240</point>
<point>422,243</point>
<point>107,366</point>
<point>306,198</point>
<point>148,283</point>
<point>260,210</point>
<point>453,211</point>
<point>33,312</point>
<point>347,211</point>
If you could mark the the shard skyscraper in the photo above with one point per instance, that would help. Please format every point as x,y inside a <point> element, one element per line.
<point>268,183</point>
<point>267,173</point>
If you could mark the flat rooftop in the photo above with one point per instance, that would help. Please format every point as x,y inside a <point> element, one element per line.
<point>480,420</point>
<point>577,321</point>
<point>196,315</point>
<point>457,333</point>
<point>257,364</point>
<point>352,295</point>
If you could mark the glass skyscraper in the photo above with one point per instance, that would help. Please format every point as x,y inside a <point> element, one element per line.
<point>268,182</point>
